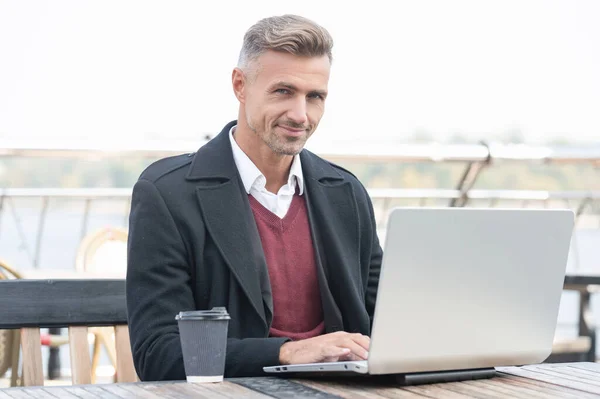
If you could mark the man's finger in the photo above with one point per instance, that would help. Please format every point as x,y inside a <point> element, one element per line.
<point>362,340</point>
<point>355,348</point>
<point>334,351</point>
<point>351,357</point>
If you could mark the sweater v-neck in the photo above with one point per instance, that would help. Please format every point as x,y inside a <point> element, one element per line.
<point>272,219</point>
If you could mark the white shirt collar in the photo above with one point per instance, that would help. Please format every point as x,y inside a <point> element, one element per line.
<point>252,176</point>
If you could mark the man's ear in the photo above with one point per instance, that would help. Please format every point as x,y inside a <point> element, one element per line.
<point>239,83</point>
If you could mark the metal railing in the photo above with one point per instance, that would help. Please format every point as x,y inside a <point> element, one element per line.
<point>383,151</point>
<point>475,157</point>
<point>585,204</point>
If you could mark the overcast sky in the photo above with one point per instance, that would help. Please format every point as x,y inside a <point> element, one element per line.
<point>128,69</point>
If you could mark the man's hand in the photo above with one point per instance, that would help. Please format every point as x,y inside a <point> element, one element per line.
<point>333,347</point>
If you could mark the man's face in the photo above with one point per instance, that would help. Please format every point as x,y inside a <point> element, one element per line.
<point>284,99</point>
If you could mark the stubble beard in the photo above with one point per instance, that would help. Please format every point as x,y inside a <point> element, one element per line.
<point>292,146</point>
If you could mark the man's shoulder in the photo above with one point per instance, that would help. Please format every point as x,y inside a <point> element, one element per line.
<point>344,173</point>
<point>165,167</point>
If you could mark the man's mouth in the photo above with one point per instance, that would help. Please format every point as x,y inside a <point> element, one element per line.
<point>292,130</point>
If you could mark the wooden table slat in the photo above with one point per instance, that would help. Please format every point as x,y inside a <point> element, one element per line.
<point>234,390</point>
<point>547,388</point>
<point>162,390</point>
<point>352,389</point>
<point>35,392</point>
<point>521,389</point>
<point>82,393</point>
<point>506,390</point>
<point>551,388</point>
<point>594,367</point>
<point>207,392</point>
<point>436,391</point>
<point>582,372</point>
<point>118,391</point>
<point>98,391</point>
<point>179,390</point>
<point>23,393</point>
<point>343,391</point>
<point>19,394</point>
<point>183,389</point>
<point>522,372</point>
<point>393,393</point>
<point>562,374</point>
<point>475,391</point>
<point>59,391</point>
<point>565,372</point>
<point>141,391</point>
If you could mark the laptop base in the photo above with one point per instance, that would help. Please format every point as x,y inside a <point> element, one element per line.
<point>407,379</point>
<point>443,376</point>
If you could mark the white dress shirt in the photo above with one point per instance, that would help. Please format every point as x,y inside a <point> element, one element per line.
<point>255,182</point>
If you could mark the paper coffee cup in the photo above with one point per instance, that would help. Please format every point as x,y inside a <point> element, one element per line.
<point>203,336</point>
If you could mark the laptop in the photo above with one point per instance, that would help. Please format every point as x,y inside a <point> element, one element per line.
<point>462,291</point>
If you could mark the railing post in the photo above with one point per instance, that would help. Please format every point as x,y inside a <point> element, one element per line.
<point>86,213</point>
<point>40,232</point>
<point>127,210</point>
<point>584,203</point>
<point>1,208</point>
<point>466,183</point>
<point>470,175</point>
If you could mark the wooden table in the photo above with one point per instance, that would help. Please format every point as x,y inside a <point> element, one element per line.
<point>564,380</point>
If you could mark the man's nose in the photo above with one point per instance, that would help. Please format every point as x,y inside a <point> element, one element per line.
<point>297,112</point>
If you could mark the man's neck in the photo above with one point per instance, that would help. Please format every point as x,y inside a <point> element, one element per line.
<point>275,167</point>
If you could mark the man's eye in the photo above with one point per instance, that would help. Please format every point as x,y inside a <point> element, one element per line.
<point>282,91</point>
<point>316,95</point>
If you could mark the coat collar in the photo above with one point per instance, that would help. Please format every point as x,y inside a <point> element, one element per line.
<point>214,160</point>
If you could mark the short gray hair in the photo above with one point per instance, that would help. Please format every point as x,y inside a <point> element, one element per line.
<point>288,34</point>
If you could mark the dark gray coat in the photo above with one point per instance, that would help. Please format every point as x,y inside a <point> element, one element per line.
<point>193,244</point>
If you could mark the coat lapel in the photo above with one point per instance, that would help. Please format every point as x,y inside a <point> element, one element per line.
<point>229,220</point>
<point>334,217</point>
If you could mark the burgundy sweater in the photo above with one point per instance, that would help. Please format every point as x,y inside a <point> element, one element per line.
<point>290,256</point>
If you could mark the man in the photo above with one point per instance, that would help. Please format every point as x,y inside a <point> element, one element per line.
<point>283,239</point>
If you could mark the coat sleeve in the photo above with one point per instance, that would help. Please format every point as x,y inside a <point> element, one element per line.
<point>158,286</point>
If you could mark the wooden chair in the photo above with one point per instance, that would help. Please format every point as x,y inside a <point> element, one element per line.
<point>10,340</point>
<point>77,304</point>
<point>103,251</point>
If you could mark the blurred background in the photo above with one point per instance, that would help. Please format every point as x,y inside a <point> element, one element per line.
<point>462,103</point>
